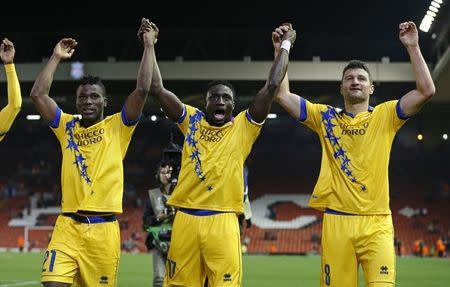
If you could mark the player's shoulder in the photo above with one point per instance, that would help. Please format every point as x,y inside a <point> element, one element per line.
<point>385,107</point>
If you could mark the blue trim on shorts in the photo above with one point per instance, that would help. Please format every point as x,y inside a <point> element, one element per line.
<point>91,219</point>
<point>199,212</point>
<point>336,212</point>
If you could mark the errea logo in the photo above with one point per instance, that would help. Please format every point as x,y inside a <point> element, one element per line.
<point>104,280</point>
<point>227,277</point>
<point>384,270</point>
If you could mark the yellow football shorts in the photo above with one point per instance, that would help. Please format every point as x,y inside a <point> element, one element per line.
<point>204,246</point>
<point>350,240</point>
<point>84,251</point>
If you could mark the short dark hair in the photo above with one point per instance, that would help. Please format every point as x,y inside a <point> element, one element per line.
<point>221,82</point>
<point>93,80</point>
<point>357,64</point>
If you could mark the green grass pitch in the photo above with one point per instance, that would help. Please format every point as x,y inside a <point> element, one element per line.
<point>23,269</point>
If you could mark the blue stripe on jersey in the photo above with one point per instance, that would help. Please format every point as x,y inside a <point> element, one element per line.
<point>126,121</point>
<point>400,113</point>
<point>72,145</point>
<point>303,112</point>
<point>55,123</point>
<point>340,153</point>
<point>192,141</point>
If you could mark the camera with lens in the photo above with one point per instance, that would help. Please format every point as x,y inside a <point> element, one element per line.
<point>160,236</point>
<point>165,234</point>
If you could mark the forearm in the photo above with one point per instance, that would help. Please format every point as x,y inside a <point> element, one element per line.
<point>14,95</point>
<point>10,111</point>
<point>278,71</point>
<point>145,72</point>
<point>262,102</point>
<point>424,81</point>
<point>44,80</point>
<point>169,102</point>
<point>156,85</point>
<point>288,101</point>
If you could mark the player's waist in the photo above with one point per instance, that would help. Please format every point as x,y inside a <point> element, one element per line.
<point>337,212</point>
<point>91,219</point>
<point>200,212</point>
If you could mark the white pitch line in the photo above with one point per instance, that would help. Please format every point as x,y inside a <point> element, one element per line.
<point>24,283</point>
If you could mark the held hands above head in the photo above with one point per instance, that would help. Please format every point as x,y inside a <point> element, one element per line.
<point>7,51</point>
<point>281,33</point>
<point>408,34</point>
<point>148,32</point>
<point>65,48</point>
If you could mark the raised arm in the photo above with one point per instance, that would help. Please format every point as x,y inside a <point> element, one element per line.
<point>412,102</point>
<point>169,102</point>
<point>41,88</point>
<point>136,100</point>
<point>260,107</point>
<point>283,96</point>
<point>10,111</point>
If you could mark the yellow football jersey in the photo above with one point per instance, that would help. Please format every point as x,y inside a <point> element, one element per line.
<point>355,156</point>
<point>92,162</point>
<point>213,161</point>
<point>9,113</point>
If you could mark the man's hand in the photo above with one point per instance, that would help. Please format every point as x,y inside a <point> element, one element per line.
<point>65,48</point>
<point>148,32</point>
<point>7,51</point>
<point>408,34</point>
<point>278,35</point>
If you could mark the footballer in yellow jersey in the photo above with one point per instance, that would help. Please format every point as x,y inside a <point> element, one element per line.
<point>213,180</point>
<point>85,243</point>
<point>209,194</point>
<point>353,187</point>
<point>10,111</point>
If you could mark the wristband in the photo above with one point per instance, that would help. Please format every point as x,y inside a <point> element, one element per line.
<point>286,44</point>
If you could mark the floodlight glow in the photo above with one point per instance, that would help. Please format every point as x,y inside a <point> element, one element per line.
<point>434,9</point>
<point>153,118</point>
<point>33,117</point>
<point>428,18</point>
<point>445,137</point>
<point>433,3</point>
<point>272,116</point>
<point>425,26</point>
<point>419,137</point>
<point>431,13</point>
